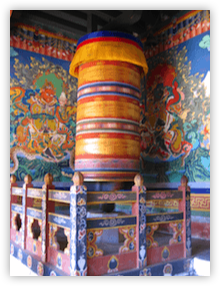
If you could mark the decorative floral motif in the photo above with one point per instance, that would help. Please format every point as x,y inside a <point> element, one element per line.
<point>130,239</point>
<point>20,255</point>
<point>59,195</point>
<point>113,264</point>
<point>150,239</point>
<point>145,272</point>
<point>40,269</point>
<point>59,261</point>
<point>159,218</point>
<point>177,228</point>
<point>29,261</point>
<point>162,195</point>
<point>165,253</point>
<point>167,270</point>
<point>59,220</point>
<point>111,197</point>
<point>12,249</point>
<point>92,249</point>
<point>111,222</point>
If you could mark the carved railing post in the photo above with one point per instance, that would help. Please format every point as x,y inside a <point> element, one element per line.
<point>12,184</point>
<point>184,206</point>
<point>78,242</point>
<point>27,184</point>
<point>139,209</point>
<point>48,180</point>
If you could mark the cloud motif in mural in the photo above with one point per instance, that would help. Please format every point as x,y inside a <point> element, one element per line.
<point>205,43</point>
<point>13,53</point>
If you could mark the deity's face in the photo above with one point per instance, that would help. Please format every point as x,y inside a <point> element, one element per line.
<point>48,95</point>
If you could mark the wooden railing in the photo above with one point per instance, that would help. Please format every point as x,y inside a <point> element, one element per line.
<point>169,232</point>
<point>80,242</point>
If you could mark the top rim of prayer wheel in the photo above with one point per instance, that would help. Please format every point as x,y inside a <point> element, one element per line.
<point>108,46</point>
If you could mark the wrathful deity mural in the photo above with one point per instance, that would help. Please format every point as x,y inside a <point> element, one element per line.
<point>42,116</point>
<point>175,113</point>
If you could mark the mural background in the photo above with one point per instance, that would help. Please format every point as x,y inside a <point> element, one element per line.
<point>42,116</point>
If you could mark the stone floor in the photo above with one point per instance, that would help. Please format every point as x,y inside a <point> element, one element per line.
<point>201,248</point>
<point>19,269</point>
<point>201,255</point>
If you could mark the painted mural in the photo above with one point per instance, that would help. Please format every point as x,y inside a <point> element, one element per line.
<point>175,114</point>
<point>42,116</point>
<point>175,107</point>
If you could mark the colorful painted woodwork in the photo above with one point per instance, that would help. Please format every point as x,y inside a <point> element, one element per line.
<point>78,243</point>
<point>108,66</point>
<point>27,183</point>
<point>185,208</point>
<point>46,207</point>
<point>87,247</point>
<point>139,208</point>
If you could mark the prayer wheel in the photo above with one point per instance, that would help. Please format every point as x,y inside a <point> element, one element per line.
<point>109,66</point>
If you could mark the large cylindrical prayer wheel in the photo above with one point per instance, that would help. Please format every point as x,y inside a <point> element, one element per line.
<point>109,66</point>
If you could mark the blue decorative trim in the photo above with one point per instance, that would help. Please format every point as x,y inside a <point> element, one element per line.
<point>109,34</point>
<point>111,222</point>
<point>34,192</point>
<point>59,220</point>
<point>164,217</point>
<point>17,191</point>
<point>34,213</point>
<point>59,195</point>
<point>107,83</point>
<point>17,208</point>
<point>197,187</point>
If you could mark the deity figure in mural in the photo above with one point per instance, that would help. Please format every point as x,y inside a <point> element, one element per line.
<point>162,135</point>
<point>45,122</point>
<point>175,118</point>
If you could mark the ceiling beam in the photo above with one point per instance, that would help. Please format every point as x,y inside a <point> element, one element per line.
<point>112,13</point>
<point>127,18</point>
<point>66,16</point>
<point>100,14</point>
<point>74,29</point>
